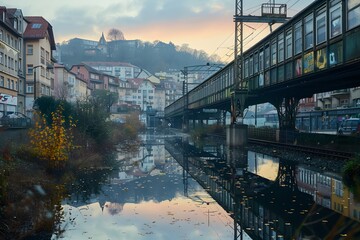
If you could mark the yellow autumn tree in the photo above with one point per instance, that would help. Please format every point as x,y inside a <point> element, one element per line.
<point>52,142</point>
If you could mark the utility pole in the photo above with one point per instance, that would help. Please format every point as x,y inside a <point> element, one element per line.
<point>271,13</point>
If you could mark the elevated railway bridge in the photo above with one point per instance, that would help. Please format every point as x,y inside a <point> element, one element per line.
<point>317,50</point>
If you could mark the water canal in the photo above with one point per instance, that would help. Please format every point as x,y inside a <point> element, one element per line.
<point>172,188</point>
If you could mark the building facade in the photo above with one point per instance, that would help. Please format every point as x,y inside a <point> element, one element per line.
<point>11,61</point>
<point>120,70</point>
<point>39,43</point>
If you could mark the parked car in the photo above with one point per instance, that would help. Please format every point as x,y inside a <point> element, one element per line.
<point>350,126</point>
<point>15,120</point>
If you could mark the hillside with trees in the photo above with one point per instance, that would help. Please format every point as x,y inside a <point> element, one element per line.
<point>153,56</point>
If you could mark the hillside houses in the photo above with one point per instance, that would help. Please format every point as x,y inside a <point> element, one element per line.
<point>30,67</point>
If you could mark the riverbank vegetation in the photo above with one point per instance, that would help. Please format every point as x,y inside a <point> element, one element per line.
<point>42,168</point>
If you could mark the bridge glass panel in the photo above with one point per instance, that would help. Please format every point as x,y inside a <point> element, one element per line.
<point>289,70</point>
<point>288,43</point>
<point>251,62</point>
<point>298,67</point>
<point>256,63</point>
<point>261,80</point>
<point>267,56</point>
<point>261,60</point>
<point>321,59</point>
<point>267,78</point>
<point>246,68</point>
<point>336,54</point>
<point>281,73</point>
<point>298,38</point>
<point>321,26</point>
<point>352,45</point>
<point>273,76</point>
<point>309,32</point>
<point>335,18</point>
<point>353,11</point>
<point>281,47</point>
<point>308,62</point>
<point>273,52</point>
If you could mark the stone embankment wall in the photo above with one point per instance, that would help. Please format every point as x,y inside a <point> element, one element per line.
<point>13,137</point>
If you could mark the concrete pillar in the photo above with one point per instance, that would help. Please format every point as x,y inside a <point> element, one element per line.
<point>237,135</point>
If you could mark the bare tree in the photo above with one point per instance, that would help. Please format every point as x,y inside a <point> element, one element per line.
<point>115,34</point>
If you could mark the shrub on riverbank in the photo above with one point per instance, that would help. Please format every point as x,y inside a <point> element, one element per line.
<point>351,176</point>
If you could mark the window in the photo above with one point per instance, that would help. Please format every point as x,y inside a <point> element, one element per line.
<point>12,84</point>
<point>42,52</point>
<point>335,18</point>
<point>288,43</point>
<point>2,81</point>
<point>267,56</point>
<point>353,8</point>
<point>30,88</point>
<point>30,69</point>
<point>273,53</point>
<point>261,60</point>
<point>298,38</point>
<point>251,66</point>
<point>288,71</point>
<point>42,71</point>
<point>15,23</point>
<point>36,25</point>
<point>30,49</point>
<point>321,26</point>
<point>246,68</point>
<point>1,58</point>
<point>281,47</point>
<point>1,34</point>
<point>256,63</point>
<point>309,29</point>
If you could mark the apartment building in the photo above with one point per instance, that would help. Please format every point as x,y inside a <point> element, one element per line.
<point>67,85</point>
<point>39,43</point>
<point>91,76</point>
<point>11,61</point>
<point>342,98</point>
<point>143,92</point>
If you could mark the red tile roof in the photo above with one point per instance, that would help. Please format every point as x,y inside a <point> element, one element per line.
<point>38,28</point>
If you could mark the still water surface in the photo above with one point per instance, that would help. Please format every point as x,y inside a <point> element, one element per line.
<point>172,189</point>
<point>146,199</point>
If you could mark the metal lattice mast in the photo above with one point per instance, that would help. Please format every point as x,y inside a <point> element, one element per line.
<point>270,13</point>
<point>238,50</point>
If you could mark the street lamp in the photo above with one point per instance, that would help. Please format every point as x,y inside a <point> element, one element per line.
<point>34,71</point>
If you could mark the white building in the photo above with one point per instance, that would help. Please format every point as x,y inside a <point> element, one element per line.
<point>118,69</point>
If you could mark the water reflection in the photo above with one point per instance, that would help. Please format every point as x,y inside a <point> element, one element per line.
<point>272,197</point>
<point>145,199</point>
<point>172,189</point>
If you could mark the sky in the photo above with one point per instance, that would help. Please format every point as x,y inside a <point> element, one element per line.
<point>201,24</point>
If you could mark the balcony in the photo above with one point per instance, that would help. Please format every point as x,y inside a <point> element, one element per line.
<point>323,96</point>
<point>340,93</point>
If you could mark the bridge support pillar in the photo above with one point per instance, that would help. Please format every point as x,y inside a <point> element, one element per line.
<point>286,108</point>
<point>236,135</point>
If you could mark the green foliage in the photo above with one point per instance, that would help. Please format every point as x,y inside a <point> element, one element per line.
<point>351,176</point>
<point>104,98</point>
<point>47,105</point>
<point>91,119</point>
